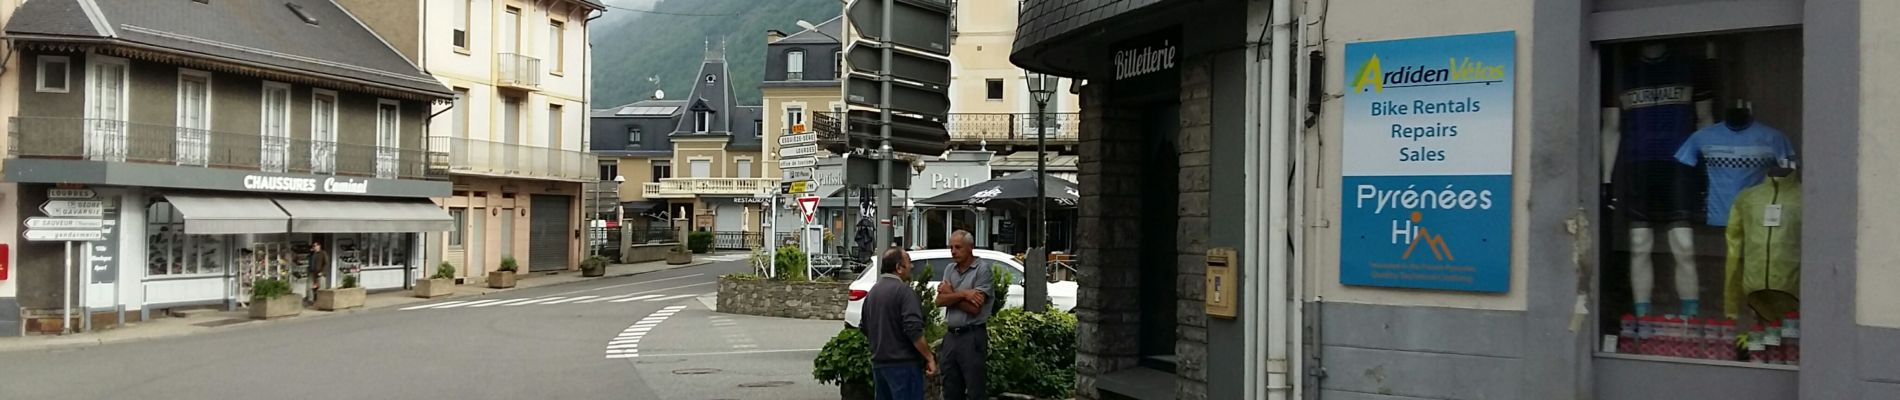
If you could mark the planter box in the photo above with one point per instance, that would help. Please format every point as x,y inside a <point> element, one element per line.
<point>679,258</point>
<point>341,299</point>
<point>595,271</point>
<point>501,279</point>
<point>433,288</point>
<point>278,307</point>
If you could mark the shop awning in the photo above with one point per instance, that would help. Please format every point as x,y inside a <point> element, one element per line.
<point>365,216</point>
<point>213,215</point>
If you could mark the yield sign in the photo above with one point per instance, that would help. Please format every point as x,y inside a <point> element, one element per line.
<point>809,205</point>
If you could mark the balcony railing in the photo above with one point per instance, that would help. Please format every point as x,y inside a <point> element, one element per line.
<point>121,141</point>
<point>1013,127</point>
<point>470,156</point>
<point>519,70</point>
<point>690,187</point>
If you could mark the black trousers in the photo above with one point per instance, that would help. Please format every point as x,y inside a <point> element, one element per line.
<point>961,363</point>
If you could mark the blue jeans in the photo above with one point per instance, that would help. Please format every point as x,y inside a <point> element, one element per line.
<point>898,383</point>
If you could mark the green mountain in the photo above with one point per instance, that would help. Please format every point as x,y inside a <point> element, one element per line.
<point>669,44</point>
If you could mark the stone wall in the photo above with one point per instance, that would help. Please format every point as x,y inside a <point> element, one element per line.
<point>1107,238</point>
<point>1196,149</point>
<point>807,300</point>
<point>639,253</point>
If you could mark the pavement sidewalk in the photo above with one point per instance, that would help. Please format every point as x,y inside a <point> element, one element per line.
<point>208,321</point>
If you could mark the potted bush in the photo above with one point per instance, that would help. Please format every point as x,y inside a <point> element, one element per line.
<point>846,361</point>
<point>350,295</point>
<point>679,255</point>
<point>271,298</point>
<point>701,242</point>
<point>504,277</point>
<point>438,285</point>
<point>594,266</point>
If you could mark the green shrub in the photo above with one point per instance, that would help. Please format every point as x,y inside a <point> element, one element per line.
<point>1000,279</point>
<point>445,270</point>
<point>594,262</point>
<point>934,327</point>
<point>1032,353</point>
<point>508,264</point>
<point>349,281</point>
<point>701,242</point>
<point>269,288</point>
<point>846,358</point>
<point>789,264</point>
<point>743,276</point>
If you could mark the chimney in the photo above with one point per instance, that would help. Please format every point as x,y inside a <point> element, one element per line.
<point>773,35</point>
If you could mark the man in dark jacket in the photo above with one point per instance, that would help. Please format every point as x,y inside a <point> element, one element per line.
<point>319,268</point>
<point>894,324</point>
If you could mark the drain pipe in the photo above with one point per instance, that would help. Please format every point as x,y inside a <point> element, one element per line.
<point>1279,77</point>
<point>1252,281</point>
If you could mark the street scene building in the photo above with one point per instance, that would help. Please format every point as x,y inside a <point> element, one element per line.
<point>692,163</point>
<point>512,141</point>
<point>209,162</point>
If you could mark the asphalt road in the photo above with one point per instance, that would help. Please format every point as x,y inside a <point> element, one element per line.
<point>650,336</point>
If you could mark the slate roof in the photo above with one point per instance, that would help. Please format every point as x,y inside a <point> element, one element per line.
<point>833,27</point>
<point>745,130</point>
<point>261,32</point>
<point>644,108</point>
<point>715,96</point>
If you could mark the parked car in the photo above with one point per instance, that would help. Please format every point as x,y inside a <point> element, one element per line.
<point>1061,293</point>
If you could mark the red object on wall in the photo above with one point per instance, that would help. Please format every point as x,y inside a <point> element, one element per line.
<point>4,266</point>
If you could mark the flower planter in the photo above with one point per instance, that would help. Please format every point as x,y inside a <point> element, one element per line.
<point>501,279</point>
<point>276,307</point>
<point>594,271</point>
<point>433,288</point>
<point>341,299</point>
<point>679,258</point>
<point>856,391</point>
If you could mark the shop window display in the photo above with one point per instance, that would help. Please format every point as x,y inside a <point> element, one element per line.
<point>171,252</point>
<point>1702,198</point>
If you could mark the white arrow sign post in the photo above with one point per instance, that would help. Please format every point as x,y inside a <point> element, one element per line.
<point>74,208</point>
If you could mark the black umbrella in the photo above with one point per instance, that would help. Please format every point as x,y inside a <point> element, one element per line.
<point>1016,191</point>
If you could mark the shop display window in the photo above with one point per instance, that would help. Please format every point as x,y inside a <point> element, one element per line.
<point>1701,198</point>
<point>171,252</point>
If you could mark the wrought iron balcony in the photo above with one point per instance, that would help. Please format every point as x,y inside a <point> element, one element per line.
<point>671,188</point>
<point>1014,128</point>
<point>482,157</point>
<point>519,71</point>
<point>121,141</point>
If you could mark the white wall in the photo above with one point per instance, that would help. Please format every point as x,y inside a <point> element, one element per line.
<point>1879,264</point>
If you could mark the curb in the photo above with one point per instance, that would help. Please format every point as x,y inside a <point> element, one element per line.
<point>82,343</point>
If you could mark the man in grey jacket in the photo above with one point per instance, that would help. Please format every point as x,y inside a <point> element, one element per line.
<point>965,295</point>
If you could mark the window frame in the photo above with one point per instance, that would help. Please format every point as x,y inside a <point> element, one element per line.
<point>605,166</point>
<point>744,166</point>
<point>65,71</point>
<point>702,121</point>
<point>661,169</point>
<point>557,43</point>
<point>795,65</point>
<point>557,115</point>
<point>458,238</point>
<point>459,127</point>
<point>692,165</point>
<point>315,141</point>
<point>794,115</point>
<point>993,89</point>
<point>636,136</point>
<point>466,20</point>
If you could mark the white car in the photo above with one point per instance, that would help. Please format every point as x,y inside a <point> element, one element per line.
<point>1062,293</point>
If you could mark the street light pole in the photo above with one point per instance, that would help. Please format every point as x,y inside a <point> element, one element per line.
<point>882,231</point>
<point>1036,280</point>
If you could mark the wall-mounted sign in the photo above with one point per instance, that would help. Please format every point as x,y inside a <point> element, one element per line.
<point>1427,163</point>
<point>305,185</point>
<point>1147,55</point>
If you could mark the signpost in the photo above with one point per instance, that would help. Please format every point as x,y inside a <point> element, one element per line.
<point>910,43</point>
<point>809,205</point>
<point>73,218</point>
<point>799,151</point>
<point>801,162</point>
<point>794,140</point>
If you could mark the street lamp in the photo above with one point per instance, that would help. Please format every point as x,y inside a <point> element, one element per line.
<point>1042,87</point>
<point>814,28</point>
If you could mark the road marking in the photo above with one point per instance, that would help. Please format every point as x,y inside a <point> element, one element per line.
<point>569,299</point>
<point>499,303</point>
<point>674,297</point>
<point>623,351</point>
<point>627,343</point>
<point>603,299</point>
<point>539,300</point>
<point>629,284</point>
<point>614,356</point>
<point>637,298</point>
<point>623,341</point>
<point>434,305</point>
<point>623,346</point>
<point>470,303</point>
<point>733,353</point>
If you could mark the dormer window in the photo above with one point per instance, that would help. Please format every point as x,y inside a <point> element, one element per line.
<point>795,65</point>
<point>702,120</point>
<point>711,79</point>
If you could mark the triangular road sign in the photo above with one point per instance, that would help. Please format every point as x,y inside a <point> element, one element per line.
<point>809,205</point>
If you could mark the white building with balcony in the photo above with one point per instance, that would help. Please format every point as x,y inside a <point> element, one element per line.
<point>690,163</point>
<point>513,141</point>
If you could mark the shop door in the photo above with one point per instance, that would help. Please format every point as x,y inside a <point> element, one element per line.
<point>548,231</point>
<point>477,245</point>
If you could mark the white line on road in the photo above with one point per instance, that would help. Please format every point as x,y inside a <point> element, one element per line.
<point>499,303</point>
<point>623,351</point>
<point>637,298</point>
<point>536,301</point>
<point>570,299</point>
<point>638,330</point>
<point>603,299</point>
<point>623,346</point>
<point>433,305</point>
<point>630,284</point>
<point>470,303</point>
<point>674,297</point>
<point>734,353</point>
<point>623,341</point>
<point>615,356</point>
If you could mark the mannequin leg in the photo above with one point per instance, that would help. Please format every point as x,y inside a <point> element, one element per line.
<point>1642,272</point>
<point>1682,244</point>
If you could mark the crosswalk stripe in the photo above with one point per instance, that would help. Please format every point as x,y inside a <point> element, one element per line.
<point>623,351</point>
<point>544,299</point>
<point>623,341</point>
<point>638,329</point>
<point>612,356</point>
<point>623,346</point>
<point>673,297</point>
<point>604,298</point>
<point>636,298</point>
<point>503,302</point>
<point>569,299</point>
<point>470,303</point>
<point>433,305</point>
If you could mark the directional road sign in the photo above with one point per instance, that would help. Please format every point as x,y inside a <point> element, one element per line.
<point>918,24</point>
<point>864,58</point>
<point>48,223</point>
<point>798,187</point>
<point>798,151</point>
<point>794,140</point>
<point>70,193</point>
<point>795,175</point>
<point>64,235</point>
<point>801,162</point>
<point>74,208</point>
<point>912,98</point>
